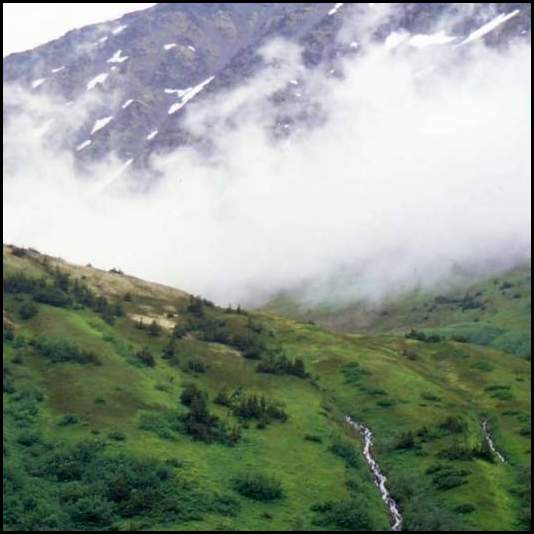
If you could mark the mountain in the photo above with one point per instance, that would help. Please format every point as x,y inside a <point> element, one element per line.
<point>494,311</point>
<point>141,71</point>
<point>133,406</point>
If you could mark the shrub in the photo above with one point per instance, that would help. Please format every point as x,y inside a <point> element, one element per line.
<point>53,296</point>
<point>350,515</point>
<point>456,452</point>
<point>503,395</point>
<point>411,354</point>
<point>449,479</point>
<point>427,514</point>
<point>145,357</point>
<point>250,346</point>
<point>61,351</point>
<point>406,441</point>
<point>196,366</point>
<point>435,468</point>
<point>466,508</point>
<point>18,251</point>
<point>154,329</point>
<point>195,306</point>
<point>92,512</point>
<point>385,403</point>
<point>345,450</point>
<point>7,380</point>
<point>258,487</point>
<point>429,396</point>
<point>454,425</point>
<point>421,336</point>
<point>29,439</point>
<point>225,505</point>
<point>82,487</point>
<point>224,398</point>
<point>279,364</point>
<point>415,334</point>
<point>525,431</point>
<point>27,310</point>
<point>485,367</point>
<point>191,393</point>
<point>179,331</point>
<point>313,438</point>
<point>259,407</point>
<point>203,426</point>
<point>68,420</point>
<point>8,332</point>
<point>20,283</point>
<point>169,351</point>
<point>164,424</point>
<point>116,436</point>
<point>353,372</point>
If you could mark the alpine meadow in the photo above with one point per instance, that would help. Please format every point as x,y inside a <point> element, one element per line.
<point>267,267</point>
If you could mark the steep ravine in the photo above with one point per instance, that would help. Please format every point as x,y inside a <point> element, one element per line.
<point>380,479</point>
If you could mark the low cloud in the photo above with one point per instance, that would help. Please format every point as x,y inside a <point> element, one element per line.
<point>412,168</point>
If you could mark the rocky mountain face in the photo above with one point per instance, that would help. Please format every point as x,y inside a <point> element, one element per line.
<point>146,67</point>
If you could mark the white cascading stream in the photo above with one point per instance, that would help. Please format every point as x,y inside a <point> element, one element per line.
<point>380,479</point>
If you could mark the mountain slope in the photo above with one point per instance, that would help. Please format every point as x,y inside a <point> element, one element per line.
<point>142,70</point>
<point>493,311</point>
<point>99,434</point>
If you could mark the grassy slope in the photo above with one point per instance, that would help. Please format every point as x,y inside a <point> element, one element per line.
<point>309,472</point>
<point>503,321</point>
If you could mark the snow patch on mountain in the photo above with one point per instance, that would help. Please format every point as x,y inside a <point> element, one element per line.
<point>100,123</point>
<point>335,9</point>
<point>117,58</point>
<point>99,79</point>
<point>37,83</point>
<point>490,26</point>
<point>118,30</point>
<point>178,92</point>
<point>83,145</point>
<point>189,93</point>
<point>422,40</point>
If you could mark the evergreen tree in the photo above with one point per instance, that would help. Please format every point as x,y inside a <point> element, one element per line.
<point>154,329</point>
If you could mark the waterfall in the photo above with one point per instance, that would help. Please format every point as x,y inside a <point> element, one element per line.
<point>379,478</point>
<point>490,442</point>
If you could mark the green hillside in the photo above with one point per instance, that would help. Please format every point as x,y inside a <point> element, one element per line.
<point>132,406</point>
<point>494,312</point>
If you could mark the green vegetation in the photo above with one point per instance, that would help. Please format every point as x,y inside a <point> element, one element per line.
<point>213,425</point>
<point>280,364</point>
<point>351,514</point>
<point>258,487</point>
<point>492,312</point>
